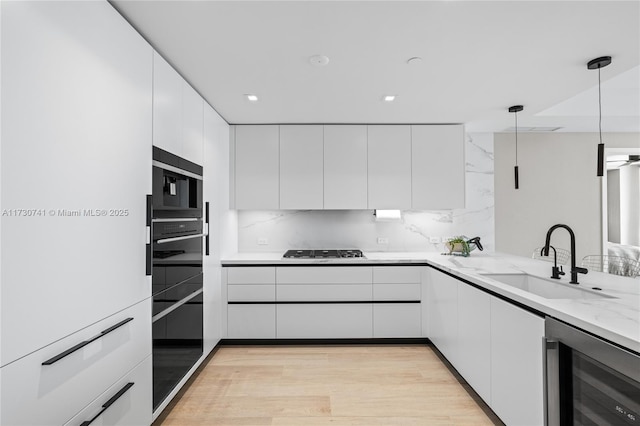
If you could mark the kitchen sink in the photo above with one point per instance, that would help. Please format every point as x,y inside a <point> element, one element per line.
<point>547,288</point>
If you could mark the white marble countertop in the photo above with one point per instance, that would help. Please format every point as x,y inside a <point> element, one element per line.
<point>616,319</point>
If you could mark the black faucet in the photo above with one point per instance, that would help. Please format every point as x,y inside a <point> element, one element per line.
<point>555,270</point>
<point>575,270</point>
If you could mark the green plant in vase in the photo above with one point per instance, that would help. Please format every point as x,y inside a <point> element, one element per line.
<point>458,245</point>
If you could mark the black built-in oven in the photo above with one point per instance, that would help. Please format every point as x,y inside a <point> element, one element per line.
<point>176,251</point>
<point>589,381</point>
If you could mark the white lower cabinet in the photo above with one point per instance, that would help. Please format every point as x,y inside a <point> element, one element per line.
<point>331,321</point>
<point>256,285</point>
<point>396,320</point>
<point>516,364</point>
<point>126,403</point>
<point>251,321</point>
<point>49,387</point>
<point>474,339</point>
<point>443,313</point>
<point>495,345</point>
<point>329,302</point>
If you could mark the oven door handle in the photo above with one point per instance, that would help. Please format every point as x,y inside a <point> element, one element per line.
<point>148,249</point>
<point>552,381</point>
<point>206,228</point>
<point>172,239</point>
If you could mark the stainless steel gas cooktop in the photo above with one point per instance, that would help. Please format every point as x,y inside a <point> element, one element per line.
<point>323,254</point>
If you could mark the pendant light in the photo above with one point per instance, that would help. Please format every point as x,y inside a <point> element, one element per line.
<point>516,109</point>
<point>594,64</point>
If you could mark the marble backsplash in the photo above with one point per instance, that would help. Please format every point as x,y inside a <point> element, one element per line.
<point>286,229</point>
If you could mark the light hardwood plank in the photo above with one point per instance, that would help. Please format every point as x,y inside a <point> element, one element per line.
<point>326,385</point>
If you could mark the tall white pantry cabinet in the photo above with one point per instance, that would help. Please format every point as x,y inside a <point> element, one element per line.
<point>76,161</point>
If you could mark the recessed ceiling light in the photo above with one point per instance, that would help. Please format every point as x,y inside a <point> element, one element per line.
<point>252,98</point>
<point>389,98</point>
<point>319,60</point>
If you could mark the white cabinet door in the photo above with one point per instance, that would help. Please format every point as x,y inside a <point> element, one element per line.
<point>251,321</point>
<point>192,124</point>
<point>215,187</point>
<point>301,164</point>
<point>129,408</point>
<point>516,363</point>
<point>474,339</point>
<point>345,167</point>
<point>443,313</point>
<point>437,167</point>
<point>397,283</point>
<point>257,167</point>
<point>396,320</point>
<point>389,159</point>
<point>46,387</point>
<point>328,321</point>
<point>167,106</point>
<point>76,141</point>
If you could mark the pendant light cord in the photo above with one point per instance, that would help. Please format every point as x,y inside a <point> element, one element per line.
<point>599,107</point>
<point>516,114</point>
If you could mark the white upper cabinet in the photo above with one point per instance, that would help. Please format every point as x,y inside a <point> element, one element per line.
<point>437,167</point>
<point>177,113</point>
<point>389,159</point>
<point>167,106</point>
<point>76,143</point>
<point>301,165</point>
<point>350,167</point>
<point>345,167</point>
<point>192,124</point>
<point>257,167</point>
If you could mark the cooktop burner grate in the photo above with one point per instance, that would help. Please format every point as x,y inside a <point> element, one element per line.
<point>323,254</point>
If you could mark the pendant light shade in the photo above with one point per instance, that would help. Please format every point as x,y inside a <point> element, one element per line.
<point>516,109</point>
<point>596,64</point>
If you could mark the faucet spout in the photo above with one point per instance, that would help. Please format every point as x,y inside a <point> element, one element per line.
<point>574,269</point>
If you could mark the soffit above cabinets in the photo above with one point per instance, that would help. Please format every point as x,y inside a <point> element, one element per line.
<point>477,58</point>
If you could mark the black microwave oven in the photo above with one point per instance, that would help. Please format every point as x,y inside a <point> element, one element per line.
<point>177,186</point>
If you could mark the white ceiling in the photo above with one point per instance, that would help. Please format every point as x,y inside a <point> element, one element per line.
<point>479,58</point>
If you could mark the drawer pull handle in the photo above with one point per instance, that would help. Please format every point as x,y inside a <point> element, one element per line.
<point>108,404</point>
<point>85,343</point>
<point>186,237</point>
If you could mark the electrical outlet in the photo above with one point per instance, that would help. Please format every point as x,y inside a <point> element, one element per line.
<point>383,240</point>
<point>434,239</point>
<point>263,241</point>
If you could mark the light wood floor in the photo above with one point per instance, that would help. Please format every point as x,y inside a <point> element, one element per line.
<point>325,385</point>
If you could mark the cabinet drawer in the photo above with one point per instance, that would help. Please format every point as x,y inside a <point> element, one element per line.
<point>251,321</point>
<point>33,393</point>
<point>251,293</point>
<point>397,274</point>
<point>324,275</point>
<point>397,320</point>
<point>257,275</point>
<point>324,292</point>
<point>345,320</point>
<point>396,292</point>
<point>130,399</point>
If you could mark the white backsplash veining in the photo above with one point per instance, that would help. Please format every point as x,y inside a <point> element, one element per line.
<point>286,229</point>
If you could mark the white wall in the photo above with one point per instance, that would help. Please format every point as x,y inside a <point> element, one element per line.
<point>630,205</point>
<point>285,229</point>
<point>558,184</point>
